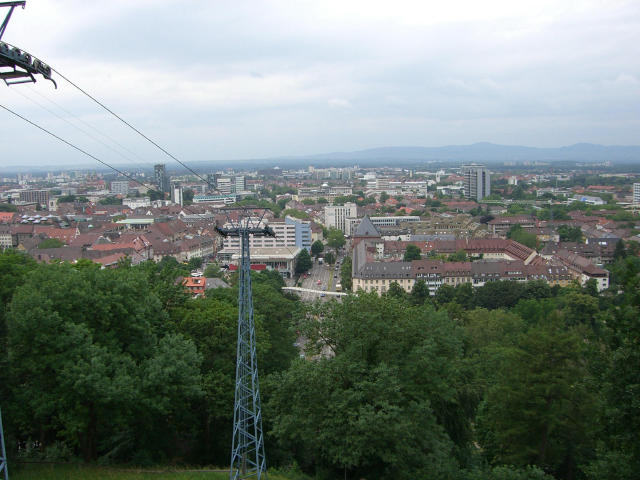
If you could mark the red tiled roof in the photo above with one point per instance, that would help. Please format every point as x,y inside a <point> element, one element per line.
<point>65,235</point>
<point>110,259</point>
<point>6,217</point>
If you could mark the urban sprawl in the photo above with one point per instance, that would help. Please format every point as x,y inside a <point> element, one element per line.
<point>446,226</point>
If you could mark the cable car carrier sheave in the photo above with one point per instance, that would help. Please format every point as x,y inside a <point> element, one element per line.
<point>16,65</point>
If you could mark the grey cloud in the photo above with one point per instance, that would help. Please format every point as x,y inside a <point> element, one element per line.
<point>257,79</point>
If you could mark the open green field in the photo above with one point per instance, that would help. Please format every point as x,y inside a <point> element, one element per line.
<point>79,472</point>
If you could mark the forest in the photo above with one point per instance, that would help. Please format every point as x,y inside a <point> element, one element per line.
<point>510,381</point>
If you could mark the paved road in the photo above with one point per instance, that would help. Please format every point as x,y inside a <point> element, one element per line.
<point>321,277</point>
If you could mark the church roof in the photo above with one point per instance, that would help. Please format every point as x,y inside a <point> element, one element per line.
<point>366,229</point>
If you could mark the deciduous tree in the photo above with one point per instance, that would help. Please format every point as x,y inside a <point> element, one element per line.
<point>303,262</point>
<point>412,253</point>
<point>316,248</point>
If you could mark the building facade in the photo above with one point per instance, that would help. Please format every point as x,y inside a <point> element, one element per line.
<point>335,216</point>
<point>177,193</point>
<point>240,183</point>
<point>6,240</point>
<point>223,185</point>
<point>477,182</point>
<point>160,177</point>
<point>41,197</point>
<point>290,232</point>
<point>222,199</point>
<point>120,187</point>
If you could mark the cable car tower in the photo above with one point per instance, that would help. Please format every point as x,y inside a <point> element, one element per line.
<point>21,66</point>
<point>247,450</point>
<point>3,454</point>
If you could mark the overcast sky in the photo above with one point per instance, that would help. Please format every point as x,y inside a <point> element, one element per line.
<point>218,80</point>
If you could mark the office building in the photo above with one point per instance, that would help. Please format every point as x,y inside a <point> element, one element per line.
<point>303,231</point>
<point>223,185</point>
<point>477,182</point>
<point>161,179</point>
<point>335,215</point>
<point>211,181</point>
<point>636,193</point>
<point>240,184</point>
<point>290,232</point>
<point>120,187</point>
<point>41,197</point>
<point>226,199</point>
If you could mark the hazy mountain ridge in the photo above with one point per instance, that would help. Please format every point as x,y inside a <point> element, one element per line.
<point>484,151</point>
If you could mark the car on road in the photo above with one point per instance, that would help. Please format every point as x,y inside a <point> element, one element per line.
<point>335,276</point>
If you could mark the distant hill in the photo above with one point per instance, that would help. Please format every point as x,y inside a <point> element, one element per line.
<point>489,153</point>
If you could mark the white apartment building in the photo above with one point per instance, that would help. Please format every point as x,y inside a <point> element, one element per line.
<point>223,185</point>
<point>285,237</point>
<point>240,183</point>
<point>177,192</point>
<point>636,193</point>
<point>137,202</point>
<point>335,216</point>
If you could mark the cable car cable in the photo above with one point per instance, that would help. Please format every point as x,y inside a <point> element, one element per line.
<point>129,125</point>
<point>57,137</point>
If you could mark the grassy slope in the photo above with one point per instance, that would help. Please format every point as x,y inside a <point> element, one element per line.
<point>72,472</point>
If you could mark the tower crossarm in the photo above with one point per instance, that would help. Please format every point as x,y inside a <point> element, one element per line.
<point>237,231</point>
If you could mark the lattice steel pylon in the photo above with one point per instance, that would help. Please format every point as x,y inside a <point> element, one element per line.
<point>3,458</point>
<point>247,450</point>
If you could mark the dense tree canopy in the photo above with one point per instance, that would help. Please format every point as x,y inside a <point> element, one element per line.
<point>520,235</point>
<point>335,238</point>
<point>385,403</point>
<point>412,253</point>
<point>316,248</point>
<point>51,243</point>
<point>303,262</point>
<point>569,234</point>
<point>345,273</point>
<point>330,258</point>
<point>508,381</point>
<point>121,364</point>
<point>91,346</point>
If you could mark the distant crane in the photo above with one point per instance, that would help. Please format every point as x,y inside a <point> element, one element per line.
<point>247,449</point>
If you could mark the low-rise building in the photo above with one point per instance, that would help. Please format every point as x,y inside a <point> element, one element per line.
<point>5,237</point>
<point>501,225</point>
<point>280,259</point>
<point>289,232</point>
<point>589,200</point>
<point>583,270</point>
